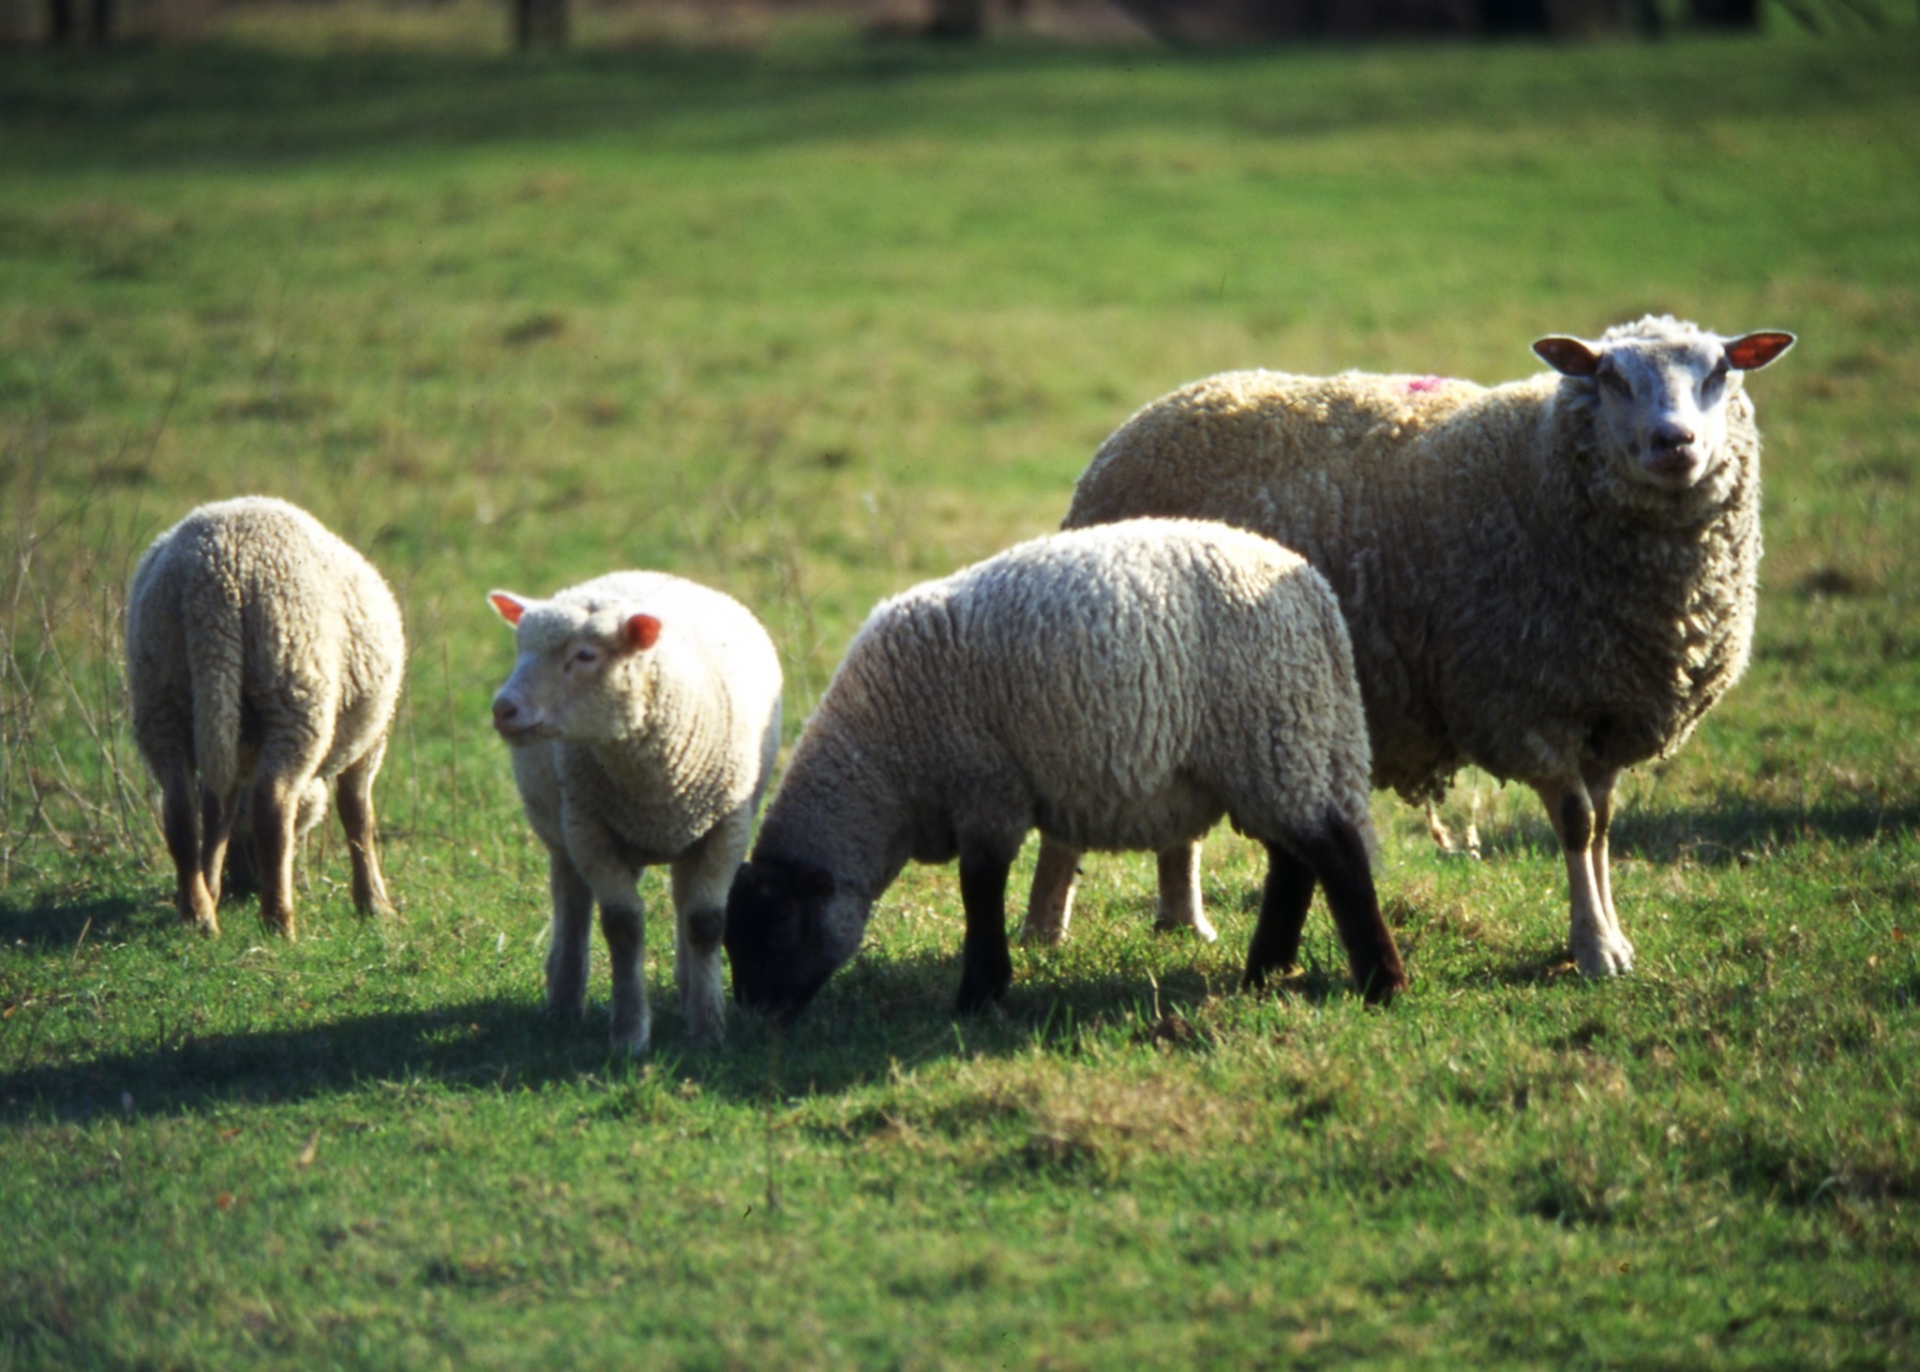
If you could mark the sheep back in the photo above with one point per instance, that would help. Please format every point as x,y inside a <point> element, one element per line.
<point>249,623</point>
<point>1118,688</point>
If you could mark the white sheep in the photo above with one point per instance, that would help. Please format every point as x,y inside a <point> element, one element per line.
<point>644,716</point>
<point>1552,579</point>
<point>1120,687</point>
<point>262,652</point>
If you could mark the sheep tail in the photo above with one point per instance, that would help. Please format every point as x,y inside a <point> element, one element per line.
<point>217,665</point>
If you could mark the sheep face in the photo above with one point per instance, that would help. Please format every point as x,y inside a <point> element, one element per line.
<point>788,927</point>
<point>579,674</point>
<point>1660,392</point>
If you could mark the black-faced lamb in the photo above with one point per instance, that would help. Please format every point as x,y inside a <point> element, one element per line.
<point>1552,579</point>
<point>644,716</point>
<point>262,653</point>
<point>1120,687</point>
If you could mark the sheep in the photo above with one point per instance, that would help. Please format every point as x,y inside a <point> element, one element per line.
<point>1552,579</point>
<point>1119,687</point>
<point>643,716</point>
<point>263,653</point>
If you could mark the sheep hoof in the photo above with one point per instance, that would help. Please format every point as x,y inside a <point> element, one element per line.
<point>708,1026</point>
<point>1042,935</point>
<point>1609,958</point>
<point>1199,924</point>
<point>567,1005</point>
<point>633,1043</point>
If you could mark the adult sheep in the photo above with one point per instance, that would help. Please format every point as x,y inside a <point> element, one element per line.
<point>262,652</point>
<point>1120,687</point>
<point>644,715</point>
<point>1552,579</point>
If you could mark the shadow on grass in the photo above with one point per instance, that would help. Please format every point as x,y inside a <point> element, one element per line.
<point>881,1013</point>
<point>1736,828</point>
<point>55,928</point>
<point>885,1011</point>
<point>225,105</point>
<point>1731,830</point>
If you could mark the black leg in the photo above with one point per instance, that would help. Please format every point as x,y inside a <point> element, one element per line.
<point>1283,910</point>
<point>986,967</point>
<point>1338,856</point>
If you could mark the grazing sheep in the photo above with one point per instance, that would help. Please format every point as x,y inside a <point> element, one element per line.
<point>262,651</point>
<point>644,715</point>
<point>1120,687</point>
<point>1552,579</point>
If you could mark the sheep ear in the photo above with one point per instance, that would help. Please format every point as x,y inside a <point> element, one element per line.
<point>641,632</point>
<point>510,606</point>
<point>1751,353</point>
<point>1568,356</point>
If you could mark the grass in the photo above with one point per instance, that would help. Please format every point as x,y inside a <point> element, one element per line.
<point>811,320</point>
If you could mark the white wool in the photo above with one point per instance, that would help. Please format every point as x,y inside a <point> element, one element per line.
<point>1120,687</point>
<point>643,756</point>
<point>263,653</point>
<point>1552,579</point>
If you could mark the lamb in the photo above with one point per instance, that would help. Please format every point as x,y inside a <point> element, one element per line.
<point>643,716</point>
<point>1552,579</point>
<point>263,653</point>
<point>1119,687</point>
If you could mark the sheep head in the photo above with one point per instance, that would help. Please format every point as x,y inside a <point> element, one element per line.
<point>1660,391</point>
<point>578,676</point>
<point>786,926</point>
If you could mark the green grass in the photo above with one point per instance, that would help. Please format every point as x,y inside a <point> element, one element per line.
<point>811,321</point>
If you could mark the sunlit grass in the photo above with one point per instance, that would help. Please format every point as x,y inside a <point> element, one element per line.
<point>813,320</point>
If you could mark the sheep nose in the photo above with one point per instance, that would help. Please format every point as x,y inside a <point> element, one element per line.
<point>504,712</point>
<point>1670,436</point>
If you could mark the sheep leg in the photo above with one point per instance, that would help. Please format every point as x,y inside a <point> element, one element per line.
<point>569,940</point>
<point>1338,857</point>
<point>1596,948</point>
<point>1050,900</point>
<point>216,830</point>
<point>1600,788</point>
<point>1275,946</point>
<point>986,967</point>
<point>1179,903</point>
<point>623,923</point>
<point>276,806</point>
<point>702,876</point>
<point>180,822</point>
<point>354,795</point>
<point>596,855</point>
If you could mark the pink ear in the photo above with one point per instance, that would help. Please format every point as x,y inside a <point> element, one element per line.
<point>1568,356</point>
<point>1753,352</point>
<point>511,607</point>
<point>642,632</point>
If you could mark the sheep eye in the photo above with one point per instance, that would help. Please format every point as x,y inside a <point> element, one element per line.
<point>585,656</point>
<point>1614,381</point>
<point>1716,378</point>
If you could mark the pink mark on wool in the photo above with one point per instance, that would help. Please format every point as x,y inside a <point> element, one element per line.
<point>1421,385</point>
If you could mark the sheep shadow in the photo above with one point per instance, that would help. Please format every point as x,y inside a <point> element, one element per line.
<point>1730,829</point>
<point>889,1009</point>
<point>496,1043</point>
<point>52,928</point>
<point>1735,829</point>
<point>880,1014</point>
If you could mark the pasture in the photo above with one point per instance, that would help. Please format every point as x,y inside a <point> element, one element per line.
<point>811,319</point>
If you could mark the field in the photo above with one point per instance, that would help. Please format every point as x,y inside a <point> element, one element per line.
<point>812,319</point>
